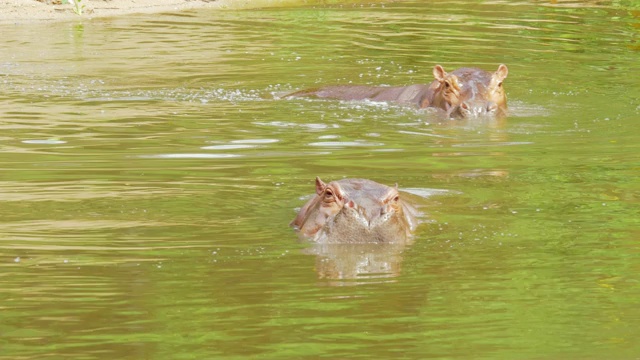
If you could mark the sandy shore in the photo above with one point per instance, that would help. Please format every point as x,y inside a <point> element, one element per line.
<point>25,11</point>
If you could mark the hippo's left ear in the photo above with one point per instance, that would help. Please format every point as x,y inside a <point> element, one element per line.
<point>501,73</point>
<point>439,73</point>
<point>320,186</point>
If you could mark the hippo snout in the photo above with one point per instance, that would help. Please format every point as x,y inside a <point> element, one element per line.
<point>368,216</point>
<point>470,109</point>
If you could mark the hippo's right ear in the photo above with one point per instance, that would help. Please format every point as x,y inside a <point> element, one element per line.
<point>502,72</point>
<point>320,186</point>
<point>439,73</point>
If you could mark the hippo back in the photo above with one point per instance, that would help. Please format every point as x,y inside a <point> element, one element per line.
<point>411,95</point>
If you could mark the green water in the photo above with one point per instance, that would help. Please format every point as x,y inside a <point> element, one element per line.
<point>148,173</point>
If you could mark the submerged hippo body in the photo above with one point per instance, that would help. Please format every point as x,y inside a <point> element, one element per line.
<point>409,95</point>
<point>465,92</point>
<point>355,211</point>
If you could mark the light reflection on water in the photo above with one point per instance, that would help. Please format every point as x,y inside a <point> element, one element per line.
<point>191,156</point>
<point>333,144</point>
<point>149,169</point>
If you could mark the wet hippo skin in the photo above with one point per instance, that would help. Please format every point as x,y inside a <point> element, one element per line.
<point>462,93</point>
<point>356,211</point>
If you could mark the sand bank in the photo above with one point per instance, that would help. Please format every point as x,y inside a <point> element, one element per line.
<point>25,11</point>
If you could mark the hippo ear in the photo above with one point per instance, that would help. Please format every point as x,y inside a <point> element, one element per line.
<point>439,73</point>
<point>320,186</point>
<point>501,73</point>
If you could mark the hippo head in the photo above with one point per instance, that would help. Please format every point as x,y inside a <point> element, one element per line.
<point>446,89</point>
<point>355,211</point>
<point>470,92</point>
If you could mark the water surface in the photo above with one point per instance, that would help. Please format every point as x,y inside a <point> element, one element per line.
<point>149,171</point>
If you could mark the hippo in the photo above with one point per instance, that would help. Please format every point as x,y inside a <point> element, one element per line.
<point>356,211</point>
<point>470,92</point>
<point>462,93</point>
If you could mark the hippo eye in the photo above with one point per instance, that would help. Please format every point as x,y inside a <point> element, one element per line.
<point>328,194</point>
<point>392,200</point>
<point>447,85</point>
<point>500,84</point>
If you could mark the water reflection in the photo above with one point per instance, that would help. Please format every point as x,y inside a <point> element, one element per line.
<point>338,144</point>
<point>357,264</point>
<point>228,147</point>
<point>44,142</point>
<point>149,139</point>
<point>190,156</point>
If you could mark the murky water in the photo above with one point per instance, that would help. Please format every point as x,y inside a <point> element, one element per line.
<point>149,172</point>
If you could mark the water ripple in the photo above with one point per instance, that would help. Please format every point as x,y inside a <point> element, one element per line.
<point>344,144</point>
<point>190,156</point>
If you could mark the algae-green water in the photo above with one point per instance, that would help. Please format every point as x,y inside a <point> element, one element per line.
<point>149,169</point>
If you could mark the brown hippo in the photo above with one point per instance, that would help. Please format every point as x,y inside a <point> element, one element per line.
<point>464,92</point>
<point>478,92</point>
<point>356,211</point>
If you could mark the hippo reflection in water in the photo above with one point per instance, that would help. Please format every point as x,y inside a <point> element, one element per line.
<point>462,93</point>
<point>356,264</point>
<point>356,211</point>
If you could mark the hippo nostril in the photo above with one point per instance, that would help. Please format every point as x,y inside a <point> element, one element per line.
<point>465,109</point>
